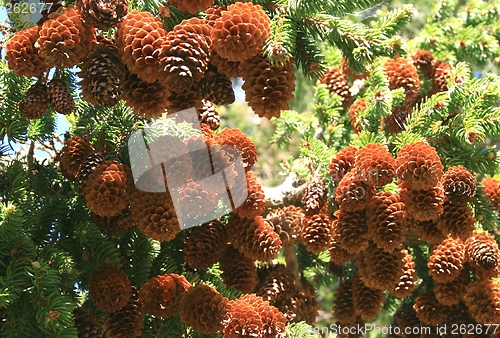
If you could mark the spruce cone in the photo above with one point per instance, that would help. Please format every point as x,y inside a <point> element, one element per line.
<point>375,165</point>
<point>430,232</point>
<point>428,309</point>
<point>286,222</point>
<point>216,87</point>
<point>195,200</point>
<point>343,305</point>
<point>128,321</point>
<point>213,13</point>
<point>419,166</point>
<point>64,39</point>
<point>240,32</point>
<point>459,184</point>
<point>86,324</point>
<point>209,115</point>
<point>491,187</point>
<point>72,155</point>
<point>380,270</point>
<point>447,260</point>
<point>109,288</point>
<point>102,14</point>
<point>60,96</point>
<point>337,83</point>
<point>122,222</point>
<point>241,320</point>
<point>189,98</point>
<point>352,230</point>
<point>108,188</point>
<point>354,110</point>
<point>277,284</point>
<point>88,164</point>
<point>205,245</point>
<point>22,55</point>
<point>238,271</point>
<point>403,74</point>
<point>423,205</point>
<point>148,99</point>
<point>255,203</point>
<point>453,292</point>
<point>299,306</point>
<point>338,254</point>
<point>160,296</point>
<point>102,74</point>
<point>482,251</point>
<point>139,38</point>
<point>342,163</point>
<point>367,302</point>
<point>440,77</point>
<point>457,220</point>
<point>407,319</point>
<point>395,122</point>
<point>229,68</point>
<point>424,61</point>
<point>316,232</point>
<point>386,220</point>
<point>202,307</point>
<point>406,285</point>
<point>268,88</point>
<point>254,238</point>
<point>234,137</point>
<point>314,197</point>
<point>272,319</point>
<point>483,301</point>
<point>191,6</point>
<point>352,194</point>
<point>35,102</point>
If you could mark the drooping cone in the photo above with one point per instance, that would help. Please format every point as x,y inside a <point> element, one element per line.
<point>338,254</point>
<point>375,165</point>
<point>367,302</point>
<point>86,324</point>
<point>60,97</point>
<point>139,38</point>
<point>459,184</point>
<point>35,102</point>
<point>314,197</point>
<point>343,306</point>
<point>379,269</point>
<point>72,155</point>
<point>102,14</point>
<point>241,320</point>
<point>424,61</point>
<point>406,284</point>
<point>109,288</point>
<point>189,98</point>
<point>195,200</point>
<point>22,55</point>
<point>268,88</point>
<point>213,13</point>
<point>160,296</point>
<point>460,314</point>
<point>403,74</point>
<point>447,260</point>
<point>191,6</point>
<point>337,83</point>
<point>205,245</point>
<point>287,222</point>
<point>419,166</point>
<point>238,271</point>
<point>235,138</point>
<point>202,307</point>
<point>440,77</point>
<point>352,193</point>
<point>300,306</point>
<point>396,121</point>
<point>352,230</point>
<point>428,309</point>
<point>482,252</point>
<point>354,110</point>
<point>316,232</point>
<point>453,292</point>
<point>423,205</point>
<point>386,220</point>
<point>240,32</point>
<point>86,168</point>
<point>255,203</point>
<point>102,73</point>
<point>254,238</point>
<point>108,188</point>
<point>272,319</point>
<point>64,39</point>
<point>429,231</point>
<point>216,87</point>
<point>209,115</point>
<point>491,188</point>
<point>277,284</point>
<point>229,68</point>
<point>407,318</point>
<point>483,301</point>
<point>128,321</point>
<point>457,220</point>
<point>342,163</point>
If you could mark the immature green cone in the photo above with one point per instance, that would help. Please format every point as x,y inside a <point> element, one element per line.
<point>60,96</point>
<point>35,102</point>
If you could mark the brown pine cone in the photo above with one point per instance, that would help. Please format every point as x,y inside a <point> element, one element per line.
<point>457,220</point>
<point>240,32</point>
<point>35,102</point>
<point>447,260</point>
<point>429,232</point>
<point>352,193</point>
<point>396,121</point>
<point>254,238</point>
<point>202,307</point>
<point>235,138</point>
<point>194,200</point>
<point>205,245</point>
<point>419,166</point>
<point>64,39</point>
<point>122,222</point>
<point>453,292</point>
<point>72,155</point>
<point>491,188</point>
<point>403,74</point>
<point>209,115</point>
<point>482,252</point>
<point>342,163</point>
<point>314,197</point>
<point>459,314</point>
<point>299,306</point>
<point>338,254</point>
<point>86,168</point>
<point>423,205</point>
<point>216,87</point>
<point>343,306</point>
<point>367,302</point>
<point>428,309</point>
<point>483,301</point>
<point>213,13</point>
<point>241,320</point>
<point>375,165</point>
<point>272,319</point>
<point>22,55</point>
<point>316,232</point>
<point>160,296</point>
<point>102,14</point>
<point>229,68</point>
<point>139,39</point>
<point>407,318</point>
<point>386,220</point>
<point>191,6</point>
<point>128,321</point>
<point>337,83</point>
<point>424,61</point>
<point>440,76</point>
<point>86,324</point>
<point>287,222</point>
<point>354,110</point>
<point>277,284</point>
<point>459,184</point>
<point>182,100</point>
<point>109,288</point>
<point>238,271</point>
<point>406,284</point>
<point>255,203</point>
<point>60,97</point>
<point>268,88</point>
<point>352,230</point>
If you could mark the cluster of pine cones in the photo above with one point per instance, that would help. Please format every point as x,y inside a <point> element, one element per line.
<point>152,69</point>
